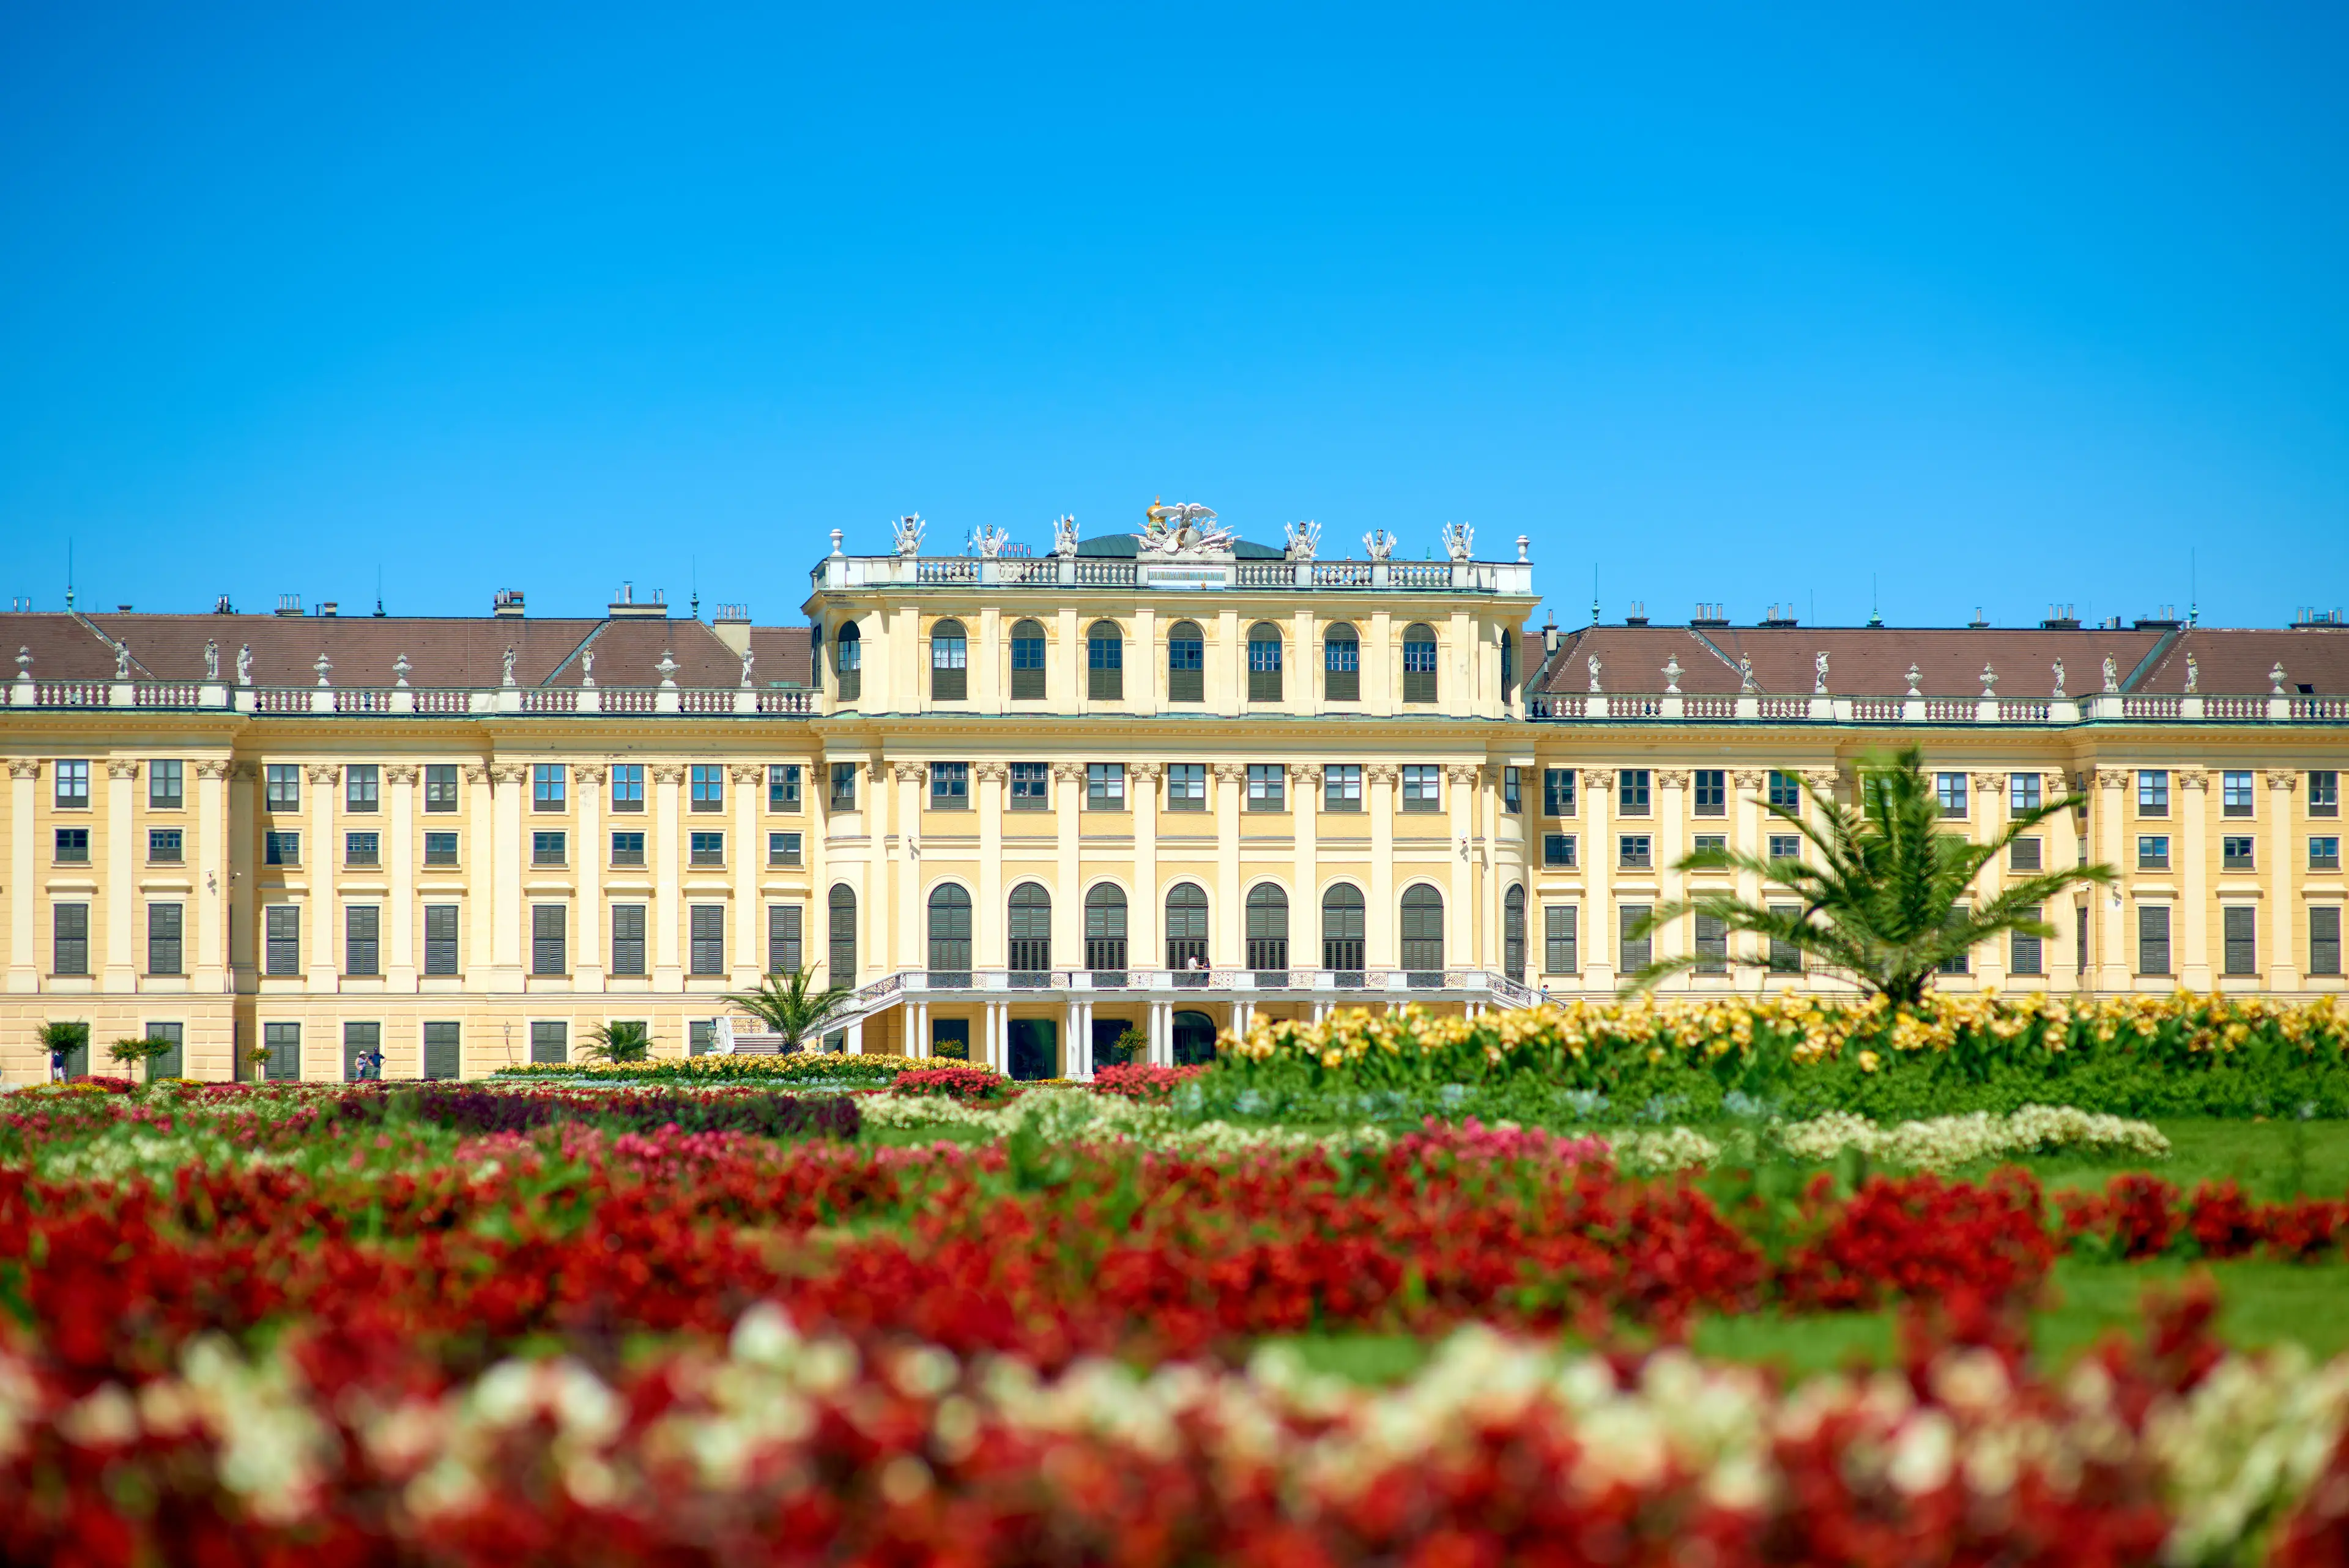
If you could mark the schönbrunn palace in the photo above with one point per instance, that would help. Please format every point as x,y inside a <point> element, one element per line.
<point>1165,782</point>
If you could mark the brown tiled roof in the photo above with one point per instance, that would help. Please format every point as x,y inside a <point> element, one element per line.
<point>783,653</point>
<point>1868,661</point>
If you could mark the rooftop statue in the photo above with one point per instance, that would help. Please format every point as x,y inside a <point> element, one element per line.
<point>1064,535</point>
<point>1185,528</point>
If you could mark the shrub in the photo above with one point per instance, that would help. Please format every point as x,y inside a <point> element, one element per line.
<point>1139,1081</point>
<point>972,1086</point>
<point>478,1109</point>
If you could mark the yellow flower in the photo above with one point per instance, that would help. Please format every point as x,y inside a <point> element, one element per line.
<point>1867,1061</point>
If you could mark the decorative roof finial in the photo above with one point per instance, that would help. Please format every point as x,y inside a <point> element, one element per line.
<point>325,667</point>
<point>1913,679</point>
<point>1673,676</point>
<point>1990,680</point>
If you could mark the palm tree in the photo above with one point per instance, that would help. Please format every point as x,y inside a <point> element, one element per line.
<point>626,1041</point>
<point>1884,900</point>
<point>793,1006</point>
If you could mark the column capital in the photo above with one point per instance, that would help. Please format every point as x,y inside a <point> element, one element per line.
<point>2283,781</point>
<point>122,770</point>
<point>1232,773</point>
<point>322,773</point>
<point>907,772</point>
<point>1068,772</point>
<point>1462,772</point>
<point>1987,784</point>
<point>2193,778</point>
<point>477,772</point>
<point>1672,778</point>
<point>1820,779</point>
<point>1153,770</point>
<point>26,768</point>
<point>217,768</point>
<point>746,773</point>
<point>400,773</point>
<point>1749,778</point>
<point>2112,778</point>
<point>1382,772</point>
<point>510,774</point>
<point>590,773</point>
<point>1599,779</point>
<point>1306,773</point>
<point>669,773</point>
<point>991,772</point>
<point>245,771</point>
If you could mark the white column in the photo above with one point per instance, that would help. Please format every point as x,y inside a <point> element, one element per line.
<point>399,858</point>
<point>878,950</point>
<point>1300,683</point>
<point>2193,862</point>
<point>587,961</point>
<point>1068,893</point>
<point>990,922</point>
<point>1227,683</point>
<point>24,962</point>
<point>669,971</point>
<point>1380,929</point>
<point>1146,676</point>
<point>2284,952</point>
<point>512,785</point>
<point>1749,956</point>
<point>1596,850</point>
<point>325,857</point>
<point>242,895</point>
<point>210,975</point>
<point>2114,962</point>
<point>1670,806</point>
<point>121,968</point>
<point>912,949</point>
<point>1231,790</point>
<point>1304,785</point>
<point>1986,818</point>
<point>1142,779</point>
<point>1460,783</point>
<point>747,961</point>
<point>1381,666</point>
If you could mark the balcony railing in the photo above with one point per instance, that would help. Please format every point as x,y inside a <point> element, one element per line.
<point>401,701</point>
<point>2102,707</point>
<point>1188,573</point>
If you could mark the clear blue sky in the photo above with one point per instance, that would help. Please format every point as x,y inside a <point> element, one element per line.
<point>2006,305</point>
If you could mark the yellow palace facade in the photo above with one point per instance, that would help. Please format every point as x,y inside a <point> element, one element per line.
<point>1024,805</point>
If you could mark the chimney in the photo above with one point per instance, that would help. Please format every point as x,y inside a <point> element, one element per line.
<point>507,606</point>
<point>289,604</point>
<point>328,607</point>
<point>627,606</point>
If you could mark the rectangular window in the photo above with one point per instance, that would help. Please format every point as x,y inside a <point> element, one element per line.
<point>2235,853</point>
<point>1512,797</point>
<point>2153,852</point>
<point>1712,792</point>
<point>1423,787</point>
<point>440,787</point>
<point>2325,940</point>
<point>628,786</point>
<point>1032,786</point>
<point>548,848</point>
<point>439,849</point>
<point>2022,795</point>
<point>627,849</point>
<point>1785,789</point>
<point>1341,787</point>
<point>166,784</point>
<point>281,939</point>
<point>2235,793</point>
<point>628,938</point>
<point>70,925</point>
<point>844,787</point>
<point>443,1057</point>
<point>708,924</point>
<point>700,1037</point>
<point>1557,792</point>
<point>1558,954</point>
<point>1786,958</point>
<point>550,929</point>
<point>1186,786</point>
<point>549,786</point>
<point>282,787</point>
<point>707,849</point>
<point>1104,786</point>
<point>2152,792</point>
<point>549,1041</point>
<point>1713,843</point>
<point>362,940</point>
<point>785,954</point>
<point>2022,855</point>
<point>2324,854</point>
<point>2023,955</point>
<point>73,847</point>
<point>782,849</point>
<point>1949,790</point>
<point>362,849</point>
<point>783,786</point>
<point>163,945</point>
<point>163,846</point>
<point>1634,953</point>
<point>281,1045</point>
<point>2323,793</point>
<point>281,849</point>
<point>2153,938</point>
<point>361,1041</point>
<point>1635,851</point>
<point>73,786</point>
<point>362,787</point>
<point>1960,963</point>
<point>1557,851</point>
<point>1631,791</point>
<point>2240,924</point>
<point>949,786</point>
<point>1268,787</point>
<point>441,938</point>
<point>1712,945</point>
<point>1785,847</point>
<point>706,786</point>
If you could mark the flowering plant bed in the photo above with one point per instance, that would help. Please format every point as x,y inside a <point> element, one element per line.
<point>802,1066</point>
<point>971,1085</point>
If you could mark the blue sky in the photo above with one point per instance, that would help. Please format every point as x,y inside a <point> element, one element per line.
<point>2001,306</point>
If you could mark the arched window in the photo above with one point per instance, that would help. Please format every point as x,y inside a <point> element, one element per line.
<point>1187,664</point>
<point>1268,933</point>
<point>1031,935</point>
<point>1028,663</point>
<point>842,967</point>
<point>1106,934</point>
<point>1419,664</point>
<point>1105,663</point>
<point>1341,932</point>
<point>1422,934</point>
<point>1342,664</point>
<point>949,936</point>
<point>815,655</point>
<point>949,662</point>
<point>1264,662</point>
<point>1513,932</point>
<point>849,650</point>
<point>1194,1039</point>
<point>1186,933</point>
<point>1508,662</point>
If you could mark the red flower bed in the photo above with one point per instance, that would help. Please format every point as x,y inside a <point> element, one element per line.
<point>1142,1081</point>
<point>973,1085</point>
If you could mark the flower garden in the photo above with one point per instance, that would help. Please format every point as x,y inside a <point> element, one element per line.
<point>2029,1281</point>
